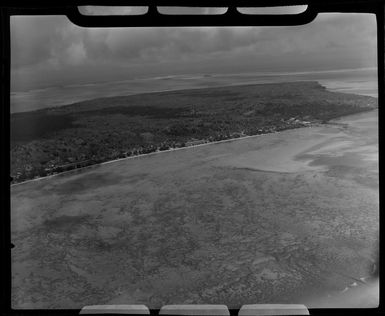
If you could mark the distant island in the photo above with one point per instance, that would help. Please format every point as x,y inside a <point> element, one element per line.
<point>58,139</point>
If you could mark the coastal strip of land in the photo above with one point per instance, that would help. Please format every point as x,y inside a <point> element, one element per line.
<point>56,140</point>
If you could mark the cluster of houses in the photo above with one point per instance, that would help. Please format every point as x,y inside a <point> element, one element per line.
<point>73,163</point>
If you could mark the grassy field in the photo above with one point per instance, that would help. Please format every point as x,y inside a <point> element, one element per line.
<point>277,218</point>
<point>56,139</point>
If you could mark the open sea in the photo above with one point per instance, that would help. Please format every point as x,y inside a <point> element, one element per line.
<point>358,81</point>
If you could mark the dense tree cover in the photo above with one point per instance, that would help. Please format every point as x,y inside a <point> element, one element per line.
<point>59,139</point>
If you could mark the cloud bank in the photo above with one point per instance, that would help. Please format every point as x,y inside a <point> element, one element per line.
<point>52,51</point>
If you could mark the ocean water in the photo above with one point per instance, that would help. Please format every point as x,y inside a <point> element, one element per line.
<point>358,81</point>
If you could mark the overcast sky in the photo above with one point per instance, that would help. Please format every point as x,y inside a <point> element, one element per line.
<point>52,51</point>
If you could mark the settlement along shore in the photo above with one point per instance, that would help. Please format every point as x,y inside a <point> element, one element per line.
<point>54,140</point>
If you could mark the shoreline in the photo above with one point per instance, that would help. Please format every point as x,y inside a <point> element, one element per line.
<point>151,154</point>
<point>81,169</point>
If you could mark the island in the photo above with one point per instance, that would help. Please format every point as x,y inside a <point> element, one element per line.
<point>59,139</point>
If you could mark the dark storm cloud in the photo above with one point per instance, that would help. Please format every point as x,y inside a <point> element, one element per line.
<point>52,49</point>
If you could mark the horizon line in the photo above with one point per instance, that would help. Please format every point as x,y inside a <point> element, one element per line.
<point>171,76</point>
